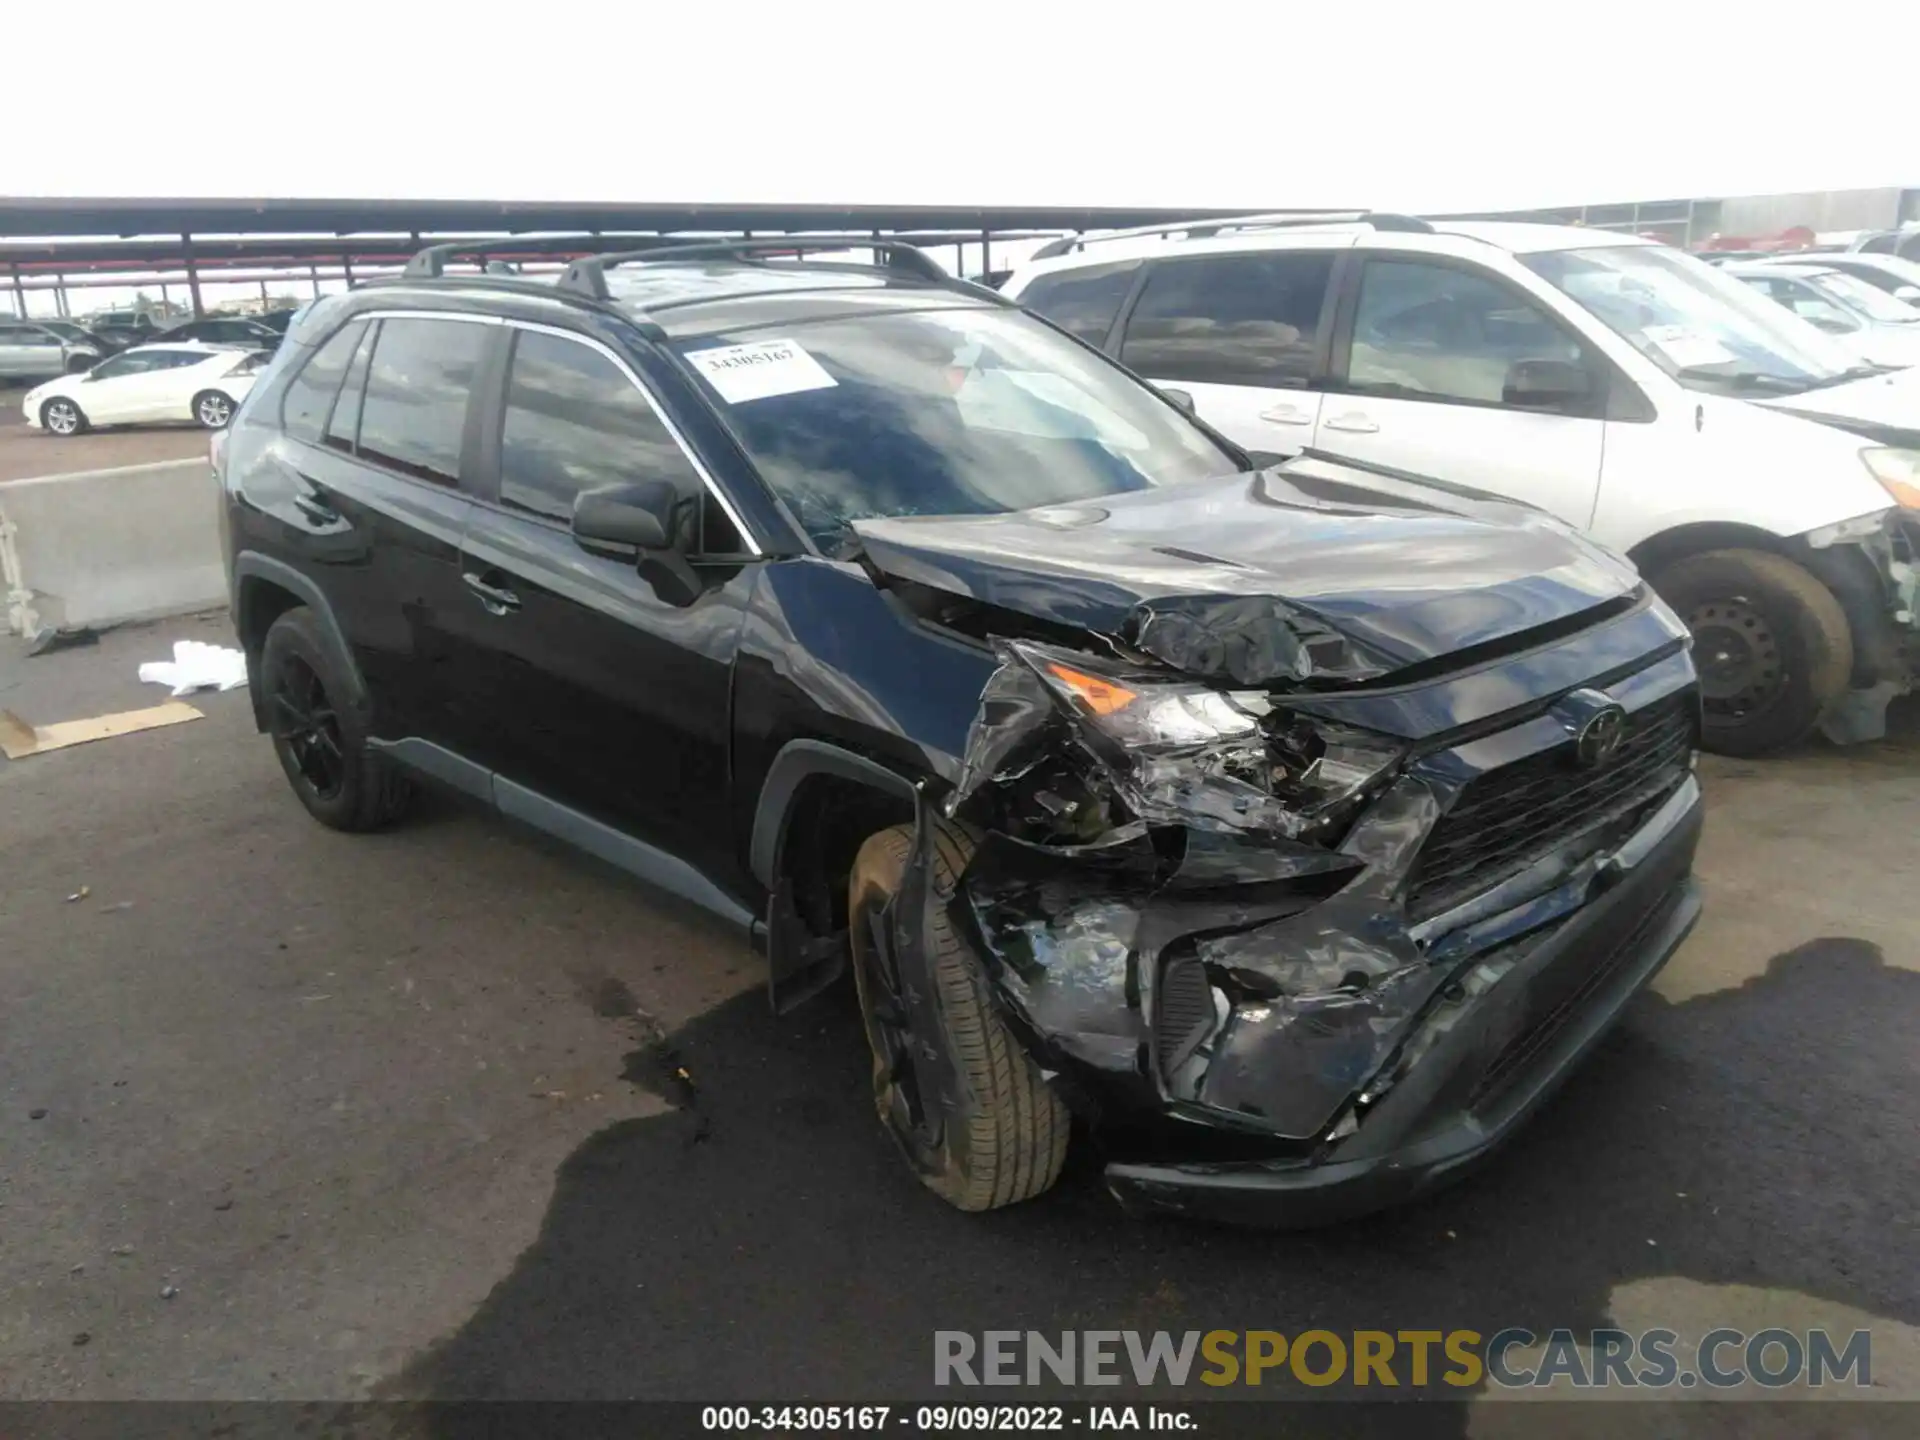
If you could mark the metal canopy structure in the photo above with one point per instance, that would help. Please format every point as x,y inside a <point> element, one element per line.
<point>59,244</point>
<point>126,218</point>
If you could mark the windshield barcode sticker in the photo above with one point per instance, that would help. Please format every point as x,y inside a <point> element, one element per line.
<point>757,371</point>
<point>1686,347</point>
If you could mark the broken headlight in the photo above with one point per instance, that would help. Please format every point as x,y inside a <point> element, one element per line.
<point>1898,472</point>
<point>1182,753</point>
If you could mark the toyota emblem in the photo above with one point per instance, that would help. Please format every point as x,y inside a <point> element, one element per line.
<point>1599,737</point>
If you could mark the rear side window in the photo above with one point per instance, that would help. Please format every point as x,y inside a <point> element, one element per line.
<point>1082,302</point>
<point>574,421</point>
<point>310,397</point>
<point>1230,319</point>
<point>415,412</point>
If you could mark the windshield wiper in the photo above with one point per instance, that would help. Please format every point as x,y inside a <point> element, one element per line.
<point>1741,379</point>
<point>1853,372</point>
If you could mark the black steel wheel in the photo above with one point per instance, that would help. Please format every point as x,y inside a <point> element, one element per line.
<point>1770,642</point>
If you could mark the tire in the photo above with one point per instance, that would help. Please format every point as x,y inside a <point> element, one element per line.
<point>79,364</point>
<point>321,742</point>
<point>213,409</point>
<point>1771,643</point>
<point>1014,1147</point>
<point>60,416</point>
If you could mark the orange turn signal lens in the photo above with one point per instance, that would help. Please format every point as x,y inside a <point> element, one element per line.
<point>1908,496</point>
<point>1102,697</point>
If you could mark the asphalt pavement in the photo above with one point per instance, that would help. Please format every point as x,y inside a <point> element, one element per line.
<point>26,452</point>
<point>449,1113</point>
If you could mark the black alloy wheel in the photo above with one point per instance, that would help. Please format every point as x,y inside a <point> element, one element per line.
<point>306,727</point>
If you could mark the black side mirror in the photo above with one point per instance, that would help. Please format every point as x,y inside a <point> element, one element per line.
<point>1181,400</point>
<point>635,521</point>
<point>1547,385</point>
<point>636,515</point>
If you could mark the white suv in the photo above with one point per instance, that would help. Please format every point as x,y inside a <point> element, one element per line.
<point>1759,475</point>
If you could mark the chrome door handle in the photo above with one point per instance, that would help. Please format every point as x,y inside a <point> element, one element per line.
<point>1286,415</point>
<point>497,599</point>
<point>1354,423</point>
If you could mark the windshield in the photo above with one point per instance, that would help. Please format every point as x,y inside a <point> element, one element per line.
<point>1704,328</point>
<point>941,412</point>
<point>65,329</point>
<point>1856,294</point>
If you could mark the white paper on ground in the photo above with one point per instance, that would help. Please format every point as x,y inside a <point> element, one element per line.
<point>757,371</point>
<point>197,666</point>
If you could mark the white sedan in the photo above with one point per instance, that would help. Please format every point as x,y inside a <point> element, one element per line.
<point>198,382</point>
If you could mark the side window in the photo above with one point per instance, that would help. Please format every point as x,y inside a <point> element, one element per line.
<point>1082,302</point>
<point>343,429</point>
<point>309,398</point>
<point>415,412</point>
<point>132,362</point>
<point>574,422</point>
<point>1230,319</point>
<point>1809,304</point>
<point>181,360</point>
<point>1436,332</point>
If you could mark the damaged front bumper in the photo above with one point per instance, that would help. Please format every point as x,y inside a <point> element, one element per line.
<point>1497,1050</point>
<point>1317,1013</point>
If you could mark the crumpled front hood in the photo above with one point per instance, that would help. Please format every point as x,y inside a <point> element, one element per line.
<point>1315,570</point>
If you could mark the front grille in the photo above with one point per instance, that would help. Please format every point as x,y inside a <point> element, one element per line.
<point>1183,1011</point>
<point>1506,818</point>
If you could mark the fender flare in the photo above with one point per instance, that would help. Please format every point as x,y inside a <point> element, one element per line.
<point>251,564</point>
<point>798,762</point>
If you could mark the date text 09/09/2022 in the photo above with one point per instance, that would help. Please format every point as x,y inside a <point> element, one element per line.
<point>944,1419</point>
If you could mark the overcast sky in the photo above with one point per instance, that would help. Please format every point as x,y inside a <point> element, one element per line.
<point>1430,106</point>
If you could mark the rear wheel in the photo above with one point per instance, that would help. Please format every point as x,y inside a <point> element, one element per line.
<point>320,740</point>
<point>1012,1148</point>
<point>212,409</point>
<point>1771,643</point>
<point>60,416</point>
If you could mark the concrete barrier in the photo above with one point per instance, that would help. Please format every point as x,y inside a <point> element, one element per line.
<point>106,546</point>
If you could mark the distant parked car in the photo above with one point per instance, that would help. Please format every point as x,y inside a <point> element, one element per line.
<point>1878,328</point>
<point>222,330</point>
<point>1899,278</point>
<point>1904,242</point>
<point>278,320</point>
<point>34,350</point>
<point>202,383</point>
<point>123,327</point>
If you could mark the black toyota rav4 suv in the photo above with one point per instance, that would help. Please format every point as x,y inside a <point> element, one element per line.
<point>1285,830</point>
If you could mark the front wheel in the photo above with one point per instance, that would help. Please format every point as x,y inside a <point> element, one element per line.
<point>60,416</point>
<point>1771,643</point>
<point>1012,1146</point>
<point>212,409</point>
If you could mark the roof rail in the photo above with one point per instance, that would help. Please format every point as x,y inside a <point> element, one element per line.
<point>588,274</point>
<point>431,262</point>
<point>1268,220</point>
